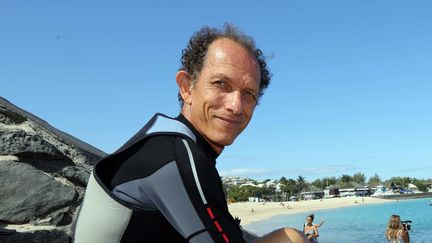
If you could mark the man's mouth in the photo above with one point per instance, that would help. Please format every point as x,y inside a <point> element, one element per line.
<point>232,121</point>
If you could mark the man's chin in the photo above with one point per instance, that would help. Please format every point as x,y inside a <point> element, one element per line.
<point>225,141</point>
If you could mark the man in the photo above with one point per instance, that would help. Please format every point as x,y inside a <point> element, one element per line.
<point>162,185</point>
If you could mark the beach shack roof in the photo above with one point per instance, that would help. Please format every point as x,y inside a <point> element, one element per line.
<point>374,184</point>
<point>312,188</point>
<point>352,185</point>
<point>332,187</point>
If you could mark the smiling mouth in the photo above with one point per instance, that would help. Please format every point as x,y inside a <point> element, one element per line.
<point>230,120</point>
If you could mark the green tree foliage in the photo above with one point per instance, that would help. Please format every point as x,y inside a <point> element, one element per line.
<point>291,187</point>
<point>374,180</point>
<point>345,179</point>
<point>283,181</point>
<point>328,181</point>
<point>301,184</point>
<point>318,183</point>
<point>238,194</point>
<point>420,184</point>
<point>400,181</point>
<point>242,193</point>
<point>359,178</point>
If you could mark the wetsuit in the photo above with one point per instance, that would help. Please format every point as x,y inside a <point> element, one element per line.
<point>161,186</point>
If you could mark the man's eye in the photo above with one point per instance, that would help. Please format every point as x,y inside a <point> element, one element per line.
<point>251,95</point>
<point>219,83</point>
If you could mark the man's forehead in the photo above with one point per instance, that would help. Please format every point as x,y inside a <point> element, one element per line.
<point>225,50</point>
<point>224,47</point>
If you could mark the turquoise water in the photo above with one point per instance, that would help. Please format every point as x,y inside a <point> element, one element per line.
<point>360,223</point>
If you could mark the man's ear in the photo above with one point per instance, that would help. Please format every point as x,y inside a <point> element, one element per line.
<point>184,82</point>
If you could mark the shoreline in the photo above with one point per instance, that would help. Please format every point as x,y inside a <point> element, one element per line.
<point>250,212</point>
<point>406,196</point>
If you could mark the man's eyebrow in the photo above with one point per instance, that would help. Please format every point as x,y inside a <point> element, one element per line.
<point>221,76</point>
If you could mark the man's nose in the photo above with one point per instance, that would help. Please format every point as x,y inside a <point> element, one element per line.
<point>234,103</point>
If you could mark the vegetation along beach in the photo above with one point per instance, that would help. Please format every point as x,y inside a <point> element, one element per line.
<point>254,201</point>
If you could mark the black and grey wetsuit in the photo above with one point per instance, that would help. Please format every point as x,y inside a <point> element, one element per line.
<point>161,186</point>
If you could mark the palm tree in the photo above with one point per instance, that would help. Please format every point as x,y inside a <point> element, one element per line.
<point>301,183</point>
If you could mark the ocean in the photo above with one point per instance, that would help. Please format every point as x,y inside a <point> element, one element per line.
<point>360,223</point>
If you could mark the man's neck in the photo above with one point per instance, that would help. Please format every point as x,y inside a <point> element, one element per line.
<point>218,148</point>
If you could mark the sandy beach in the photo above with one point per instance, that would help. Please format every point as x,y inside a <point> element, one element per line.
<point>252,211</point>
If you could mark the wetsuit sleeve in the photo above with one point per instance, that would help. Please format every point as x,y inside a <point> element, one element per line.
<point>164,191</point>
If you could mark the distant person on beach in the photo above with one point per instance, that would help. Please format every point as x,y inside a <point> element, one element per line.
<point>396,232</point>
<point>316,225</point>
<point>311,230</point>
<point>162,185</point>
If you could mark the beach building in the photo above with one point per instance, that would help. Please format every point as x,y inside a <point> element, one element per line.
<point>428,185</point>
<point>331,191</point>
<point>413,188</point>
<point>271,183</point>
<point>255,199</point>
<point>382,191</point>
<point>249,184</point>
<point>399,189</point>
<point>235,180</point>
<point>312,192</point>
<point>353,189</point>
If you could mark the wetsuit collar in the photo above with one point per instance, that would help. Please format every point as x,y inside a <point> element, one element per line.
<point>200,140</point>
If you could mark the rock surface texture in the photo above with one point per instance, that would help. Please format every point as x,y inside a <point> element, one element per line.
<point>43,173</point>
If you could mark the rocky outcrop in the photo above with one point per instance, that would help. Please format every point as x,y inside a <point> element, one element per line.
<point>30,192</point>
<point>39,236</point>
<point>43,173</point>
<point>27,136</point>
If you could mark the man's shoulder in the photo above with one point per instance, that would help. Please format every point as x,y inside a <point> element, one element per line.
<point>144,158</point>
<point>159,124</point>
<point>155,145</point>
<point>154,149</point>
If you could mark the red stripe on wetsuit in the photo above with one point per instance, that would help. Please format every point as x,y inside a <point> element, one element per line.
<point>216,223</point>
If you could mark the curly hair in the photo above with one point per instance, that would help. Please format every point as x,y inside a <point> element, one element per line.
<point>193,56</point>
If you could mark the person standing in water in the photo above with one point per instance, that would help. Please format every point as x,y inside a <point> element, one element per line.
<point>311,230</point>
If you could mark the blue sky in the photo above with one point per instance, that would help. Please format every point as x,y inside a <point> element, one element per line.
<point>351,88</point>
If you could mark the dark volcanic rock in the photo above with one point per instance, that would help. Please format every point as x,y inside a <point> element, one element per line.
<point>76,175</point>
<point>10,118</point>
<point>14,119</point>
<point>31,146</point>
<point>28,193</point>
<point>43,174</point>
<point>39,236</point>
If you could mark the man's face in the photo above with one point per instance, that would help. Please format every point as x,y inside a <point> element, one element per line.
<point>225,94</point>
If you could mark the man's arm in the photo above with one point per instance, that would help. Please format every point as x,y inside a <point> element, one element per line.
<point>164,191</point>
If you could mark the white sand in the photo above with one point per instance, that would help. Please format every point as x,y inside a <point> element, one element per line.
<point>251,212</point>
